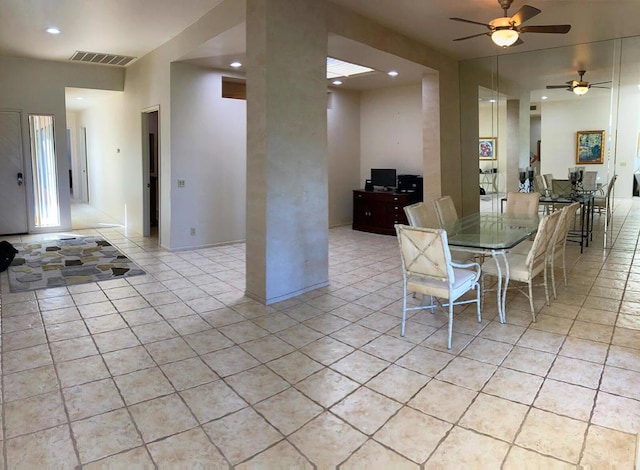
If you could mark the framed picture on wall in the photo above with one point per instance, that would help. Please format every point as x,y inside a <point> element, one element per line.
<point>487,148</point>
<point>590,147</point>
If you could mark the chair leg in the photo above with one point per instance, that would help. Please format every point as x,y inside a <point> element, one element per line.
<point>533,310</point>
<point>450,324</point>
<point>546,286</point>
<point>564,267</point>
<point>404,311</point>
<point>478,303</point>
<point>553,278</point>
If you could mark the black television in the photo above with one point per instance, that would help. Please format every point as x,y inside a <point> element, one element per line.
<point>385,177</point>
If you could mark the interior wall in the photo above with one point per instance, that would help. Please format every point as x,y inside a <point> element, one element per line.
<point>560,122</point>
<point>23,88</point>
<point>391,130</point>
<point>209,152</point>
<point>343,148</point>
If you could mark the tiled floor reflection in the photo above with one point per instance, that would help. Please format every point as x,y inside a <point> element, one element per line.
<point>178,369</point>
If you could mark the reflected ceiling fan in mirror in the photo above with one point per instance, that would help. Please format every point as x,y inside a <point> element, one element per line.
<point>505,31</point>
<point>579,87</point>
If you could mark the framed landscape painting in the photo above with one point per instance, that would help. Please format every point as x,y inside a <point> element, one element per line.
<point>590,147</point>
<point>487,148</point>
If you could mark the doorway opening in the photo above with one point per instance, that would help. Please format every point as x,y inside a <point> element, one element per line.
<point>151,170</point>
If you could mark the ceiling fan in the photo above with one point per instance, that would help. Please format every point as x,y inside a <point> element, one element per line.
<point>579,87</point>
<point>505,31</point>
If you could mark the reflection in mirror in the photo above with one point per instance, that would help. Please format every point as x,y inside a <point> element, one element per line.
<point>538,113</point>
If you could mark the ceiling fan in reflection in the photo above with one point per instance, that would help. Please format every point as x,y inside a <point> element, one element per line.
<point>580,86</point>
<point>505,31</point>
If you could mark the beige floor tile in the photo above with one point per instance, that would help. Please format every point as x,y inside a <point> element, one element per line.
<point>482,417</point>
<point>327,323</point>
<point>591,331</point>
<point>327,387</point>
<point>624,358</point>
<point>170,350</point>
<point>188,373</point>
<point>207,341</point>
<point>288,411</point>
<point>105,323</point>
<point>584,349</point>
<point>230,361</point>
<point>135,458</point>
<point>626,338</point>
<point>282,455</point>
<point>576,372</point>
<point>257,435</point>
<point>425,361</point>
<point>91,399</point>
<point>327,440</point>
<point>143,385</point>
<point>467,373</point>
<point>128,360</point>
<point>256,384</point>
<point>356,335</point>
<point>141,316</point>
<point>621,382</point>
<point>103,435</point>
<point>520,458</point>
<point>529,360</point>
<point>294,367</point>
<point>299,335</point>
<point>189,324</point>
<point>360,366</point>
<point>466,449</point>
<point>83,370</point>
<point>275,322</point>
<point>541,341</point>
<point>366,410</point>
<point>593,315</point>
<point>96,309</point>
<point>566,399</point>
<point>51,448</point>
<point>23,339</point>
<point>400,434</point>
<point>606,448</point>
<point>387,348</point>
<point>212,401</point>
<point>21,322</point>
<point>327,350</point>
<point>513,385</point>
<point>439,341</point>
<point>552,435</point>
<point>486,350</point>
<point>628,321</point>
<point>379,321</point>
<point>152,332</point>
<point>386,383</point>
<point>443,400</point>
<point>29,383</point>
<point>552,324</point>
<point>243,332</point>
<point>267,348</point>
<point>27,358</point>
<point>503,332</point>
<point>190,449</point>
<point>374,455</point>
<point>73,349</point>
<point>162,417</point>
<point>114,340</point>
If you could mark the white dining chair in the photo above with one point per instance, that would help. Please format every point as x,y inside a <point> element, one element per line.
<point>522,204</point>
<point>427,269</point>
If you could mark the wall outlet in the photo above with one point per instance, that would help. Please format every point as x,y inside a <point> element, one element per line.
<point>193,231</point>
<point>180,183</point>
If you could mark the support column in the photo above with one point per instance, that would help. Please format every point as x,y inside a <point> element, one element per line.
<point>287,198</point>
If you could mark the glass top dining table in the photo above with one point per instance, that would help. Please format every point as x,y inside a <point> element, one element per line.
<point>492,234</point>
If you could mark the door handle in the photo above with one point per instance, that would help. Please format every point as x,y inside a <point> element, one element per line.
<point>19,178</point>
<point>148,185</point>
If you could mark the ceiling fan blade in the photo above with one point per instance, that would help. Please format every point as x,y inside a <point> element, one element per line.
<point>601,83</point>
<point>551,87</point>
<point>517,43</point>
<point>472,36</point>
<point>551,28</point>
<point>524,14</point>
<point>595,86</point>
<point>471,21</point>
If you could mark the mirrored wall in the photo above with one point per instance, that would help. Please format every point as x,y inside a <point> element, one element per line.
<point>523,112</point>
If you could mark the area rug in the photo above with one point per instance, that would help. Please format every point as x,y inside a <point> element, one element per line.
<point>67,261</point>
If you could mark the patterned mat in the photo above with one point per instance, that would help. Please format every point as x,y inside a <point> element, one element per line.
<point>67,261</point>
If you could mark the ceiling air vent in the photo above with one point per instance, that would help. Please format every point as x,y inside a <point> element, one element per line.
<point>101,58</point>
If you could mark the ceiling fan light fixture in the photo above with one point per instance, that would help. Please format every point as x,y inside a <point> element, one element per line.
<point>580,89</point>
<point>504,37</point>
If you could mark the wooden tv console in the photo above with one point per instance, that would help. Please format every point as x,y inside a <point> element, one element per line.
<point>379,211</point>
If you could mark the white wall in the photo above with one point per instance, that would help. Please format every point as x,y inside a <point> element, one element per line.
<point>560,122</point>
<point>391,130</point>
<point>209,152</point>
<point>343,147</point>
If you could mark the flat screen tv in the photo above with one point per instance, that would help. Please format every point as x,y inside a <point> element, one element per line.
<point>385,177</point>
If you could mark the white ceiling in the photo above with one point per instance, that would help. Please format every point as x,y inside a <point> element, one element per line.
<point>136,27</point>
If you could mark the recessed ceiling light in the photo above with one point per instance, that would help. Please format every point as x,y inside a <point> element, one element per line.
<point>545,97</point>
<point>79,98</point>
<point>337,82</point>
<point>492,100</point>
<point>53,30</point>
<point>235,65</point>
<point>339,68</point>
<point>392,73</point>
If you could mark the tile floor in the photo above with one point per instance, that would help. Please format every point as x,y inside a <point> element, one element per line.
<point>178,368</point>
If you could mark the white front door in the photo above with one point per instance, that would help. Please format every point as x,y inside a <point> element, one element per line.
<point>13,193</point>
